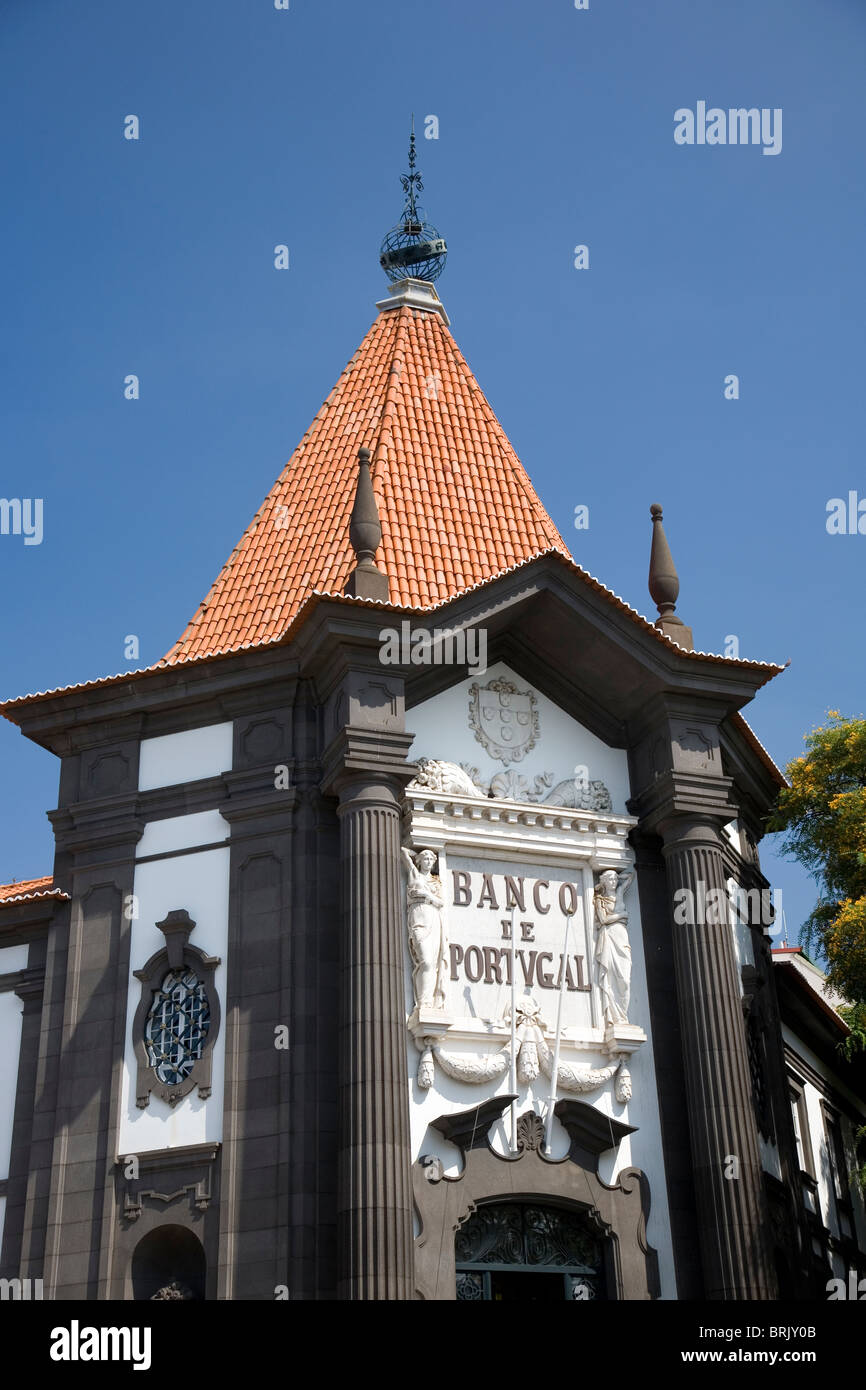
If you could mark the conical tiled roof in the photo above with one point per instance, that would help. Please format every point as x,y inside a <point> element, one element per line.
<point>455,503</point>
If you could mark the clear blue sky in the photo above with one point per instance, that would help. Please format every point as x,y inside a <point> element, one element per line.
<point>556,126</point>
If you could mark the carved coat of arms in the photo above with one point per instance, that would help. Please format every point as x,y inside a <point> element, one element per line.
<point>504,719</point>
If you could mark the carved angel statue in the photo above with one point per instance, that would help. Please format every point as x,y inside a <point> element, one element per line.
<point>612,949</point>
<point>426,922</point>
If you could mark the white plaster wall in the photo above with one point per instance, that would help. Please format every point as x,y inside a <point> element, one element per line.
<point>13,958</point>
<point>441,731</point>
<point>181,832</point>
<point>200,883</point>
<point>741,933</point>
<point>770,1159</point>
<point>821,1157</point>
<point>185,757</point>
<point>441,728</point>
<point>11,1010</point>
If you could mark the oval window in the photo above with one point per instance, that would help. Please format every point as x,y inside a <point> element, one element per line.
<point>177,1024</point>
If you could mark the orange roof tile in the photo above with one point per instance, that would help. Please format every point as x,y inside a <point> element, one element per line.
<point>9,708</point>
<point>740,722</point>
<point>457,508</point>
<point>28,889</point>
<point>455,502</point>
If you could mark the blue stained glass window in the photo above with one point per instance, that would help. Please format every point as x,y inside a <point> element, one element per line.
<point>177,1026</point>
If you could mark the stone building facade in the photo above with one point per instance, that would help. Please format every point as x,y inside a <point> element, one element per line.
<point>260,1044</point>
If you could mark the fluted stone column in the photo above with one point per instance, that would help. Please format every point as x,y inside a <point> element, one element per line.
<point>722,1125</point>
<point>374,1192</point>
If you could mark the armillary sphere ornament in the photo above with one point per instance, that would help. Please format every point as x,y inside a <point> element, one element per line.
<point>413,249</point>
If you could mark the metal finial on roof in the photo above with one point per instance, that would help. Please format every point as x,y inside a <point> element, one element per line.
<point>413,249</point>
<point>664,584</point>
<point>365,534</point>
<point>412,182</point>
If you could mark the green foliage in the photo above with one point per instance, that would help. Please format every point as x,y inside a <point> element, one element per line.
<point>855,1016</point>
<point>859,1174</point>
<point>823,817</point>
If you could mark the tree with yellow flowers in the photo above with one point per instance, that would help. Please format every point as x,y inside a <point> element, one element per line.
<point>823,816</point>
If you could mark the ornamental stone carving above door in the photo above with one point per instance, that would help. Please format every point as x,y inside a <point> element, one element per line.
<point>611,1218</point>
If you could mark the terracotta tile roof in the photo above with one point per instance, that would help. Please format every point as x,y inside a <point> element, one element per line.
<point>456,504</point>
<point>8,707</point>
<point>29,889</point>
<point>457,508</point>
<point>738,719</point>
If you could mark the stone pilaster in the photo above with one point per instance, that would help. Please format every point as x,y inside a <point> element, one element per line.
<point>374,1192</point>
<point>29,988</point>
<point>722,1125</point>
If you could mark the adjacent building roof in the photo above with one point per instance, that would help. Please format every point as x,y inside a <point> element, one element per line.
<point>813,979</point>
<point>28,889</point>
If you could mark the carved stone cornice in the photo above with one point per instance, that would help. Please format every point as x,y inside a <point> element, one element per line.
<point>531,829</point>
<point>30,986</point>
<point>171,698</point>
<point>165,1160</point>
<point>98,824</point>
<point>253,795</point>
<point>161,803</point>
<point>23,922</point>
<point>43,722</point>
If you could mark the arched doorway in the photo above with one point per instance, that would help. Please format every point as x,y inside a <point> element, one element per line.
<point>525,1252</point>
<point>168,1263</point>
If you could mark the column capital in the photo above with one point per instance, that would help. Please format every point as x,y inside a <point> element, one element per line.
<point>361,757</point>
<point>691,832</point>
<point>677,799</point>
<point>30,987</point>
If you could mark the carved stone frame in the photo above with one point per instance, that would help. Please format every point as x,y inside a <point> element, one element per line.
<point>618,1213</point>
<point>176,953</point>
<point>174,1187</point>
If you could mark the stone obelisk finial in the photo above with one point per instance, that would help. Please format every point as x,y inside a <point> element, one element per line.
<point>664,585</point>
<point>365,533</point>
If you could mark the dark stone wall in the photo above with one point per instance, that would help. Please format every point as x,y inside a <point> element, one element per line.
<point>265,1203</point>
<point>75,1115</point>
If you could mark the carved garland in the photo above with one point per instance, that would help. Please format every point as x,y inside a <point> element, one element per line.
<point>533,1056</point>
